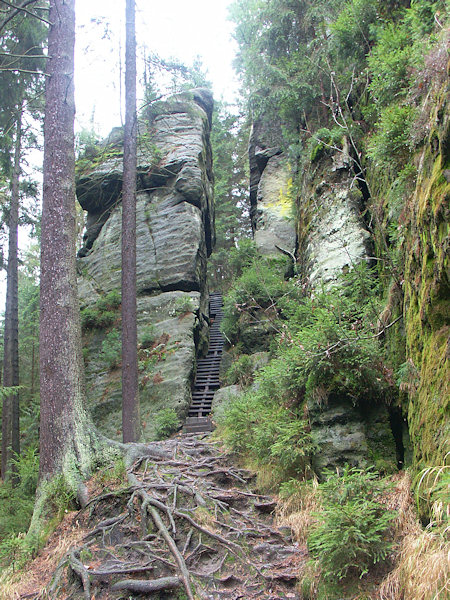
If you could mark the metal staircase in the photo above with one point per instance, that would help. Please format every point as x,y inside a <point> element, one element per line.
<point>207,378</point>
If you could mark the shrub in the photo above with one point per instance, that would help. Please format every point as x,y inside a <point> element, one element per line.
<point>327,345</point>
<point>257,425</point>
<point>352,533</point>
<point>166,422</point>
<point>147,337</point>
<point>390,64</point>
<point>353,31</point>
<point>320,143</point>
<point>111,301</point>
<point>182,305</point>
<point>240,372</point>
<point>103,313</point>
<point>391,145</point>
<point>256,293</point>
<point>17,502</point>
<point>111,351</point>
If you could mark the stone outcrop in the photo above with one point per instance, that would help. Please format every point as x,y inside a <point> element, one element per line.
<point>271,200</point>
<point>174,237</point>
<point>331,238</point>
<point>334,239</point>
<point>337,238</point>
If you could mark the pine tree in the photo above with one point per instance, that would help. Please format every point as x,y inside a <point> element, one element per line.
<point>21,63</point>
<point>66,437</point>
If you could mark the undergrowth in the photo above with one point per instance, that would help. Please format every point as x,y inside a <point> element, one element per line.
<point>353,527</point>
<point>326,343</point>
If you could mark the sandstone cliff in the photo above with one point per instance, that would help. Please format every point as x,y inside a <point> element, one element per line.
<point>175,235</point>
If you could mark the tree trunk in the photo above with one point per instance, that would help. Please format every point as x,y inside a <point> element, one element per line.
<point>130,397</point>
<point>10,410</point>
<point>66,436</point>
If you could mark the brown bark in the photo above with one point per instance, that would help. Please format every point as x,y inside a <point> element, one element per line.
<point>65,431</point>
<point>10,409</point>
<point>130,397</point>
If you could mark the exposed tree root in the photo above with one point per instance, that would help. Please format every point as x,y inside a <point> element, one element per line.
<point>146,587</point>
<point>187,519</point>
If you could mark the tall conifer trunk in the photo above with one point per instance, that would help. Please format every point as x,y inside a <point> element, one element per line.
<point>10,409</point>
<point>130,398</point>
<point>65,434</point>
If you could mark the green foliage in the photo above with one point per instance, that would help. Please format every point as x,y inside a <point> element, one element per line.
<point>16,508</point>
<point>182,305</point>
<point>240,372</point>
<point>113,474</point>
<point>94,155</point>
<point>147,336</point>
<point>432,495</point>
<point>61,497</point>
<point>273,435</point>
<point>166,423</point>
<point>353,529</point>
<point>326,345</point>
<point>229,141</point>
<point>111,301</point>
<point>92,318</point>
<point>257,426</point>
<point>390,64</point>
<point>103,313</point>
<point>324,140</point>
<point>353,31</point>
<point>391,145</point>
<point>257,290</point>
<point>111,352</point>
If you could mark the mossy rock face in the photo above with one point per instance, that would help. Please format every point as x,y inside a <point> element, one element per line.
<point>427,296</point>
<point>360,436</point>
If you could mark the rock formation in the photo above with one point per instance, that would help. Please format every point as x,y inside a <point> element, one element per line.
<point>331,238</point>
<point>271,201</point>
<point>174,237</point>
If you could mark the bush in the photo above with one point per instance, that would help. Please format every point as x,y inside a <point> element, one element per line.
<point>166,422</point>
<point>256,294</point>
<point>353,528</point>
<point>147,337</point>
<point>240,372</point>
<point>16,508</point>
<point>390,64</point>
<point>183,305</point>
<point>320,143</point>
<point>111,301</point>
<point>391,145</point>
<point>257,425</point>
<point>327,345</point>
<point>103,313</point>
<point>111,351</point>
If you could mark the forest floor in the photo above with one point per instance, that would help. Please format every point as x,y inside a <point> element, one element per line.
<point>185,523</point>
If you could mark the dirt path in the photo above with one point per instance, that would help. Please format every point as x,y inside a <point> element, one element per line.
<point>187,526</point>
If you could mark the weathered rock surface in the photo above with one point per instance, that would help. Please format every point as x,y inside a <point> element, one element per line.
<point>337,238</point>
<point>332,238</point>
<point>270,193</point>
<point>349,434</point>
<point>174,237</point>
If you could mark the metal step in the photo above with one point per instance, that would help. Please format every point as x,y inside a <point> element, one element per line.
<point>207,377</point>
